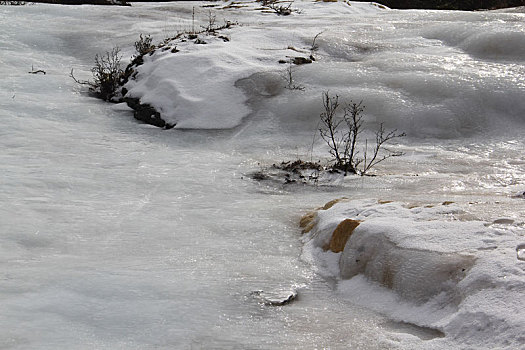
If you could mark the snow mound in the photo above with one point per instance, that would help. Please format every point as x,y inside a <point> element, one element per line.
<point>195,87</point>
<point>423,266</point>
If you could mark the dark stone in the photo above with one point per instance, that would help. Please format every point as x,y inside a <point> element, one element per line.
<point>275,298</point>
<point>301,60</point>
<point>259,176</point>
<point>452,5</point>
<point>146,113</point>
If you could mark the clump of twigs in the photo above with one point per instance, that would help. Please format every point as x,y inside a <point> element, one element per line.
<point>342,135</point>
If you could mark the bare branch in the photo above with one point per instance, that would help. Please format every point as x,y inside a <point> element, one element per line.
<point>314,47</point>
<point>381,139</point>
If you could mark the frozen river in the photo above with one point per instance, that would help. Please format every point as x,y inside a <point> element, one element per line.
<point>117,235</point>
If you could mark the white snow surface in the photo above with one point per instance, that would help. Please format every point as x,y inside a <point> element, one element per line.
<point>119,235</point>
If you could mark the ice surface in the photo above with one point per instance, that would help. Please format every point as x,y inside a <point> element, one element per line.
<point>116,235</point>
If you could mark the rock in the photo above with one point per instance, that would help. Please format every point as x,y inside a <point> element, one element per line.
<point>307,219</point>
<point>503,221</point>
<point>415,274</point>
<point>301,60</point>
<point>307,222</point>
<point>520,252</point>
<point>259,176</point>
<point>146,113</point>
<point>341,234</point>
<point>275,298</point>
<point>334,202</point>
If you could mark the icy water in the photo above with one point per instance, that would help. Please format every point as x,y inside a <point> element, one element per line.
<point>115,235</point>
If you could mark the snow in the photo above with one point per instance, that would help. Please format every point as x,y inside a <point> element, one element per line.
<point>119,235</point>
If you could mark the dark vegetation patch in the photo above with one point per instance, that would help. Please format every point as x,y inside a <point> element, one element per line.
<point>86,2</point>
<point>452,5</point>
<point>291,172</point>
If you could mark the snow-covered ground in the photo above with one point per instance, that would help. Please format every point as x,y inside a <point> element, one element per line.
<point>118,235</point>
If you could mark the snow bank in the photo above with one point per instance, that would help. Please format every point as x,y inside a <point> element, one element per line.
<point>420,265</point>
<point>195,87</point>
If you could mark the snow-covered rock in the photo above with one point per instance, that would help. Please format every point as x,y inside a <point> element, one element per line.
<point>423,266</point>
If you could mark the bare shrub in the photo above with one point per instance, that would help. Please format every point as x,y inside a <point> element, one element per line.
<point>107,74</point>
<point>341,134</point>
<point>210,24</point>
<point>143,45</point>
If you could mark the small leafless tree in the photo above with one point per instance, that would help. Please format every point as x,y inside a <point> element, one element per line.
<point>341,134</point>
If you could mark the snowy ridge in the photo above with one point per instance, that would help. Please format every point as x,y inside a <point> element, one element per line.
<point>420,265</point>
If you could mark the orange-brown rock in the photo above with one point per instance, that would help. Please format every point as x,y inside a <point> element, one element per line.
<point>334,202</point>
<point>341,234</point>
<point>307,222</point>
